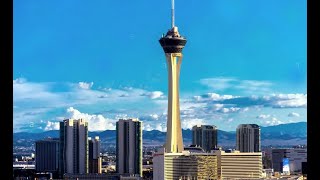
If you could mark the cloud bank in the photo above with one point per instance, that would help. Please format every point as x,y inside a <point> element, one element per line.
<point>95,122</point>
<point>102,107</point>
<point>248,86</point>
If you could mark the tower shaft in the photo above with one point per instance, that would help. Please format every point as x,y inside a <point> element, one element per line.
<point>174,142</point>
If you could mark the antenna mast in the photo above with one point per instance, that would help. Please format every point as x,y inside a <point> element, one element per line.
<point>172,13</point>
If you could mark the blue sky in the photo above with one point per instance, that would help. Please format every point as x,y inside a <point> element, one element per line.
<point>244,62</point>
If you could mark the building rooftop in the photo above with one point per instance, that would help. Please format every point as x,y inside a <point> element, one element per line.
<point>249,125</point>
<point>194,149</point>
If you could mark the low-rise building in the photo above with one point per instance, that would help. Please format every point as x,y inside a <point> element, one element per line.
<point>239,165</point>
<point>295,156</point>
<point>185,165</point>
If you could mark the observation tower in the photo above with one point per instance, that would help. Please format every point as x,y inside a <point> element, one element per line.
<point>172,44</point>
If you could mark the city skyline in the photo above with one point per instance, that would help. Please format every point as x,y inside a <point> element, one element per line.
<point>254,74</point>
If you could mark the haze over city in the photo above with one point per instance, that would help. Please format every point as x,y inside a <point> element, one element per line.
<point>244,63</point>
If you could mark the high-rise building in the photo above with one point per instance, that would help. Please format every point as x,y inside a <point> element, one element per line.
<point>239,165</point>
<point>248,138</point>
<point>172,44</point>
<point>73,147</point>
<point>205,136</point>
<point>47,155</point>
<point>94,155</point>
<point>129,147</point>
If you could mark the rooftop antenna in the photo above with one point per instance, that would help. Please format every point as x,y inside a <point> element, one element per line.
<point>172,13</point>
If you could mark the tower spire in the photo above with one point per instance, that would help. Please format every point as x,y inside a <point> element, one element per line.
<point>172,13</point>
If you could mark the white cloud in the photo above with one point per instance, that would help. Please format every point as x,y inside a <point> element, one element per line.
<point>289,100</point>
<point>152,117</point>
<point>274,100</point>
<point>19,81</point>
<point>217,97</point>
<point>293,114</point>
<point>230,120</point>
<point>212,97</point>
<point>245,109</point>
<point>107,89</point>
<point>155,116</point>
<point>95,122</point>
<point>154,122</point>
<point>84,85</point>
<point>52,126</point>
<point>149,126</point>
<point>255,83</point>
<point>146,127</point>
<point>161,127</point>
<point>217,83</point>
<point>128,88</point>
<point>225,110</point>
<point>220,108</point>
<point>217,107</point>
<point>189,123</point>
<point>187,105</point>
<point>249,86</point>
<point>197,98</point>
<point>234,109</point>
<point>273,122</point>
<point>153,95</point>
<point>263,116</point>
<point>26,91</point>
<point>31,94</point>
<point>121,116</point>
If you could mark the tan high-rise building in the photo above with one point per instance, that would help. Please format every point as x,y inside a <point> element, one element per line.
<point>248,138</point>
<point>205,136</point>
<point>239,165</point>
<point>73,146</point>
<point>172,44</point>
<point>129,147</point>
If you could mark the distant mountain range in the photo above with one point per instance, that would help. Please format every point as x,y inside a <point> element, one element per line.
<point>279,135</point>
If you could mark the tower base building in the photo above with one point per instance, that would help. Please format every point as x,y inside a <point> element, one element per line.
<point>185,165</point>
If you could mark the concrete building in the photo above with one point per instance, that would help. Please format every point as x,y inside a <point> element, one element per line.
<point>239,165</point>
<point>248,138</point>
<point>47,155</point>
<point>94,155</point>
<point>184,165</point>
<point>129,147</point>
<point>296,157</point>
<point>73,147</point>
<point>205,136</point>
